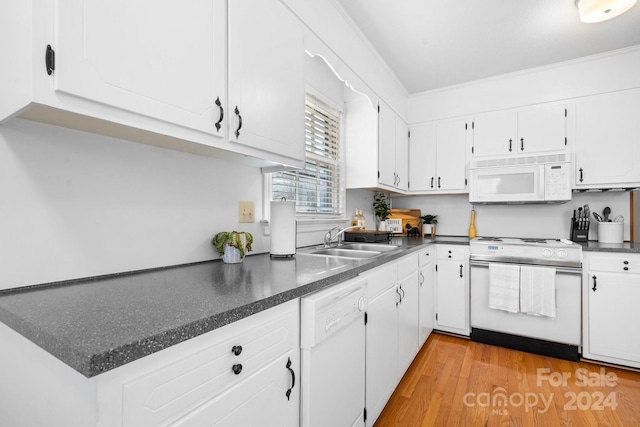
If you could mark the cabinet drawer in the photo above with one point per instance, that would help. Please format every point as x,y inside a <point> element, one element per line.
<point>381,278</point>
<point>458,253</point>
<point>425,256</point>
<point>407,265</point>
<point>618,263</point>
<point>163,395</point>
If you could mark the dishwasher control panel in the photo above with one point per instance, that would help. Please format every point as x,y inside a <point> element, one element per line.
<point>327,311</point>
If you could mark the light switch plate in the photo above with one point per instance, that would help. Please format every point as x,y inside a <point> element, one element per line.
<point>246,212</point>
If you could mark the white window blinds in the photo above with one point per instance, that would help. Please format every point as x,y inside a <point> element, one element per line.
<point>316,188</point>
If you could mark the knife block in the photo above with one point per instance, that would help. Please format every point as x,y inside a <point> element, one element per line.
<point>579,234</point>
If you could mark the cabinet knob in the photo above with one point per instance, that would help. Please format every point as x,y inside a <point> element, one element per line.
<point>237,369</point>
<point>626,268</point>
<point>237,349</point>
<point>625,262</point>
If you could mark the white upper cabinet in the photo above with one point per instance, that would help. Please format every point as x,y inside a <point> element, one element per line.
<point>164,60</point>
<point>394,146</point>
<point>437,157</point>
<point>159,73</point>
<point>532,130</point>
<point>266,77</point>
<point>377,147</point>
<point>608,140</point>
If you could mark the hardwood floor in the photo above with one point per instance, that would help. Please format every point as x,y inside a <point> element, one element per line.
<point>457,382</point>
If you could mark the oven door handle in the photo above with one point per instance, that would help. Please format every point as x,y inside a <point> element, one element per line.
<point>567,270</point>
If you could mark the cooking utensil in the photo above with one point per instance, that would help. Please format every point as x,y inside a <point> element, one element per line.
<point>606,213</point>
<point>598,217</point>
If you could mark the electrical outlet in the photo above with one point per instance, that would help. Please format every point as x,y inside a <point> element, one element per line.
<point>246,212</point>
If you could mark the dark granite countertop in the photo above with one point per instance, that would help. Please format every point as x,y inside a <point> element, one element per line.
<point>97,324</point>
<point>626,247</point>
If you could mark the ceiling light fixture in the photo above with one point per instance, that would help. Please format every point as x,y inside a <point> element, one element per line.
<point>601,10</point>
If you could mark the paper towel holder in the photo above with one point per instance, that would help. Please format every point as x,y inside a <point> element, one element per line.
<point>283,229</point>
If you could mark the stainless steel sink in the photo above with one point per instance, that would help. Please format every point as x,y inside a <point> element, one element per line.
<point>344,253</point>
<point>377,247</point>
<point>353,250</point>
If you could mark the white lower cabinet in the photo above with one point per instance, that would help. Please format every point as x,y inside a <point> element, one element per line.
<point>241,374</point>
<point>611,291</point>
<point>392,334</point>
<point>452,289</point>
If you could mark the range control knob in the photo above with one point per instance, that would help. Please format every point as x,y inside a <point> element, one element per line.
<point>547,253</point>
<point>561,253</point>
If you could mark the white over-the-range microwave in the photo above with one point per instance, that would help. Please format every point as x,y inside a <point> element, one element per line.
<point>518,180</point>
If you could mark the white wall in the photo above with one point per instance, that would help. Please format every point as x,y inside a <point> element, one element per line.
<point>538,221</point>
<point>76,204</point>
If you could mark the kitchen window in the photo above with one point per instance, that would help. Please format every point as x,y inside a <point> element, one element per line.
<point>318,188</point>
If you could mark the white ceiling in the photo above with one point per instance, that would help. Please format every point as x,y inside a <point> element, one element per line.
<point>430,44</point>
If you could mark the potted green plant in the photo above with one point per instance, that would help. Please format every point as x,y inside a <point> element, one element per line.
<point>382,210</point>
<point>233,245</point>
<point>429,224</point>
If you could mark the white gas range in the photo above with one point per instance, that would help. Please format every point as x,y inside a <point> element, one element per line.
<point>526,294</point>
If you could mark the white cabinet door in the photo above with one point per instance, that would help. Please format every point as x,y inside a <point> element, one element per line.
<point>427,292</point>
<point>450,296</point>
<point>524,131</point>
<point>387,146</point>
<point>608,140</point>
<point>612,315</point>
<point>494,134</point>
<point>402,154</point>
<point>408,333</point>
<point>260,400</point>
<point>381,351</point>
<point>422,157</point>
<point>451,155</point>
<point>165,60</point>
<point>542,129</point>
<point>266,77</point>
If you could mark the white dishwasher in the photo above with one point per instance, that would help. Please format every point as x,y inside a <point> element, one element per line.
<point>332,342</point>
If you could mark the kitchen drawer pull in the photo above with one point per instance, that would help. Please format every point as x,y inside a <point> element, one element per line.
<point>460,270</point>
<point>521,144</point>
<point>510,145</point>
<point>219,104</point>
<point>594,283</point>
<point>237,349</point>
<point>581,178</point>
<point>399,297</point>
<point>438,182</point>
<point>237,369</point>
<point>293,378</point>
<point>431,182</point>
<point>237,132</point>
<point>421,278</point>
<point>402,296</point>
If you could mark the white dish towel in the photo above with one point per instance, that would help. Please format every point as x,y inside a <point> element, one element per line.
<point>538,291</point>
<point>504,287</point>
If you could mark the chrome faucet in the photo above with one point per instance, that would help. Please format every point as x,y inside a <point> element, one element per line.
<point>328,239</point>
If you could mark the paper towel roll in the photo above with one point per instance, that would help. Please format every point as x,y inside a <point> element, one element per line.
<point>283,228</point>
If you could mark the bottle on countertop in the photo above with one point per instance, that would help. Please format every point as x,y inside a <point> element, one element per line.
<point>361,219</point>
<point>355,219</point>
<point>472,226</point>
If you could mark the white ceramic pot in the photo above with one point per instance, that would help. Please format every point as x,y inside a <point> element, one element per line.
<point>231,255</point>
